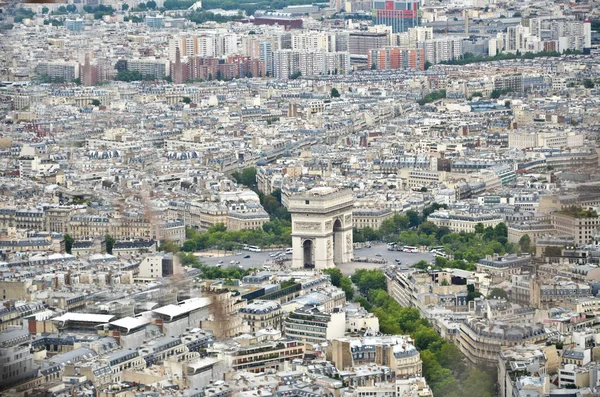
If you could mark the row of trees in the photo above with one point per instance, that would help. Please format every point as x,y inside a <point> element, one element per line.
<point>201,16</point>
<point>99,11</point>
<point>444,365</point>
<point>341,281</point>
<point>273,233</point>
<point>390,228</point>
<point>132,75</point>
<point>270,202</point>
<point>432,97</point>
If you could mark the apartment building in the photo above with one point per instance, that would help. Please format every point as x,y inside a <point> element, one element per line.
<point>463,221</point>
<point>156,266</point>
<point>400,15</point>
<point>58,70</point>
<point>262,314</point>
<point>442,49</point>
<point>397,352</point>
<point>262,356</point>
<point>122,360</point>
<point>481,341</point>
<point>17,364</point>
<point>373,218</point>
<point>360,43</point>
<point>396,58</point>
<point>503,266</point>
<point>421,178</point>
<point>156,68</point>
<point>309,63</point>
<point>311,325</point>
<point>534,230</point>
<point>545,295</point>
<point>583,229</point>
<point>247,219</point>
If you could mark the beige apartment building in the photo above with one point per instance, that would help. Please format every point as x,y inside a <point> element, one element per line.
<point>57,219</point>
<point>262,314</point>
<point>259,357</point>
<point>481,341</point>
<point>397,352</point>
<point>582,229</point>
<point>463,222</point>
<point>373,218</point>
<point>533,230</point>
<point>253,220</point>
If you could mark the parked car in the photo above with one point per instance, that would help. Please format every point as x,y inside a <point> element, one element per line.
<point>247,256</point>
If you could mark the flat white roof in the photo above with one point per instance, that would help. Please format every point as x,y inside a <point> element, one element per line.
<point>130,322</point>
<point>85,317</point>
<point>183,308</point>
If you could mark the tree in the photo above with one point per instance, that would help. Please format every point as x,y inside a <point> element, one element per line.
<point>95,102</point>
<point>414,219</point>
<point>587,83</point>
<point>501,230</point>
<point>370,234</point>
<point>248,177</point>
<point>187,100</point>
<point>45,10</point>
<point>169,246</point>
<point>68,243</point>
<point>125,7</point>
<point>346,286</point>
<point>369,280</point>
<point>295,75</point>
<point>189,246</point>
<point>151,4</point>
<point>428,228</point>
<point>517,15</point>
<point>335,274</point>
<point>553,252</point>
<point>110,242</point>
<point>427,65</point>
<point>424,337</point>
<point>525,243</point>
<point>479,228</point>
<point>472,293</point>
<point>498,293</point>
<point>335,93</point>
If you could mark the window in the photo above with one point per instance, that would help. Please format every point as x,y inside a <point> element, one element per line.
<point>307,202</point>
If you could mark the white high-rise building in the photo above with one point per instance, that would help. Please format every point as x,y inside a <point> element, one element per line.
<point>587,35</point>
<point>442,49</point>
<point>312,41</point>
<point>309,63</point>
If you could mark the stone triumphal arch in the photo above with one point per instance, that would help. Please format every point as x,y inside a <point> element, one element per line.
<point>321,227</point>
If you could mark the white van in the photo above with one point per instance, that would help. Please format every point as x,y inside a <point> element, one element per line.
<point>266,268</point>
<point>253,248</point>
<point>288,251</point>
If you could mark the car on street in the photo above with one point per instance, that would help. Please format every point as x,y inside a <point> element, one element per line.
<point>246,256</point>
<point>378,254</point>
